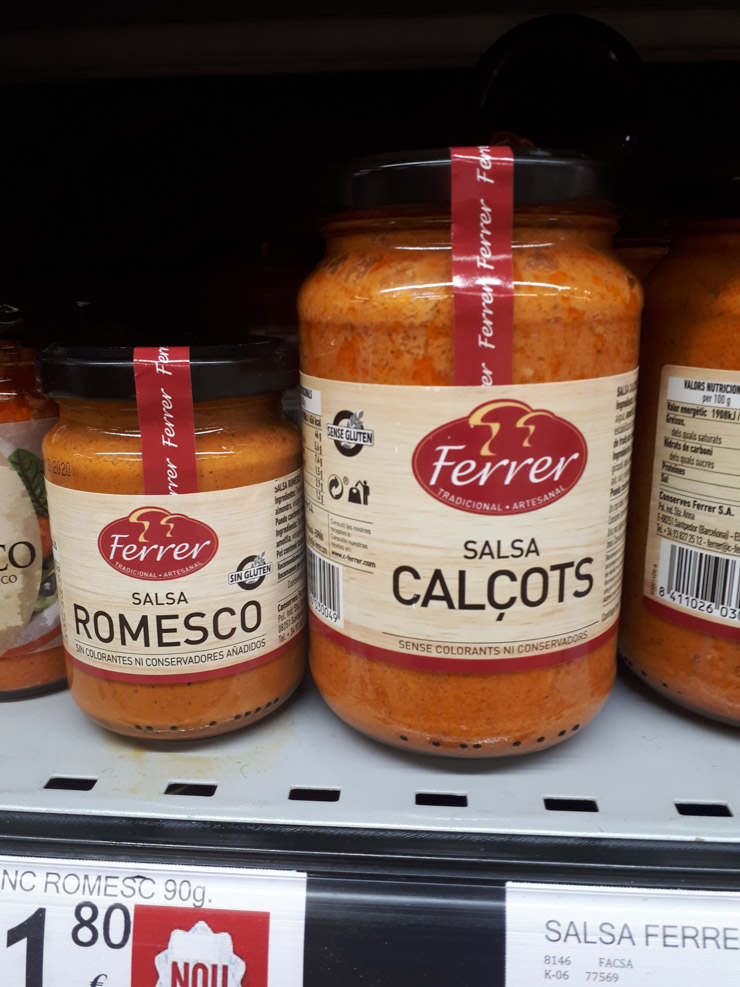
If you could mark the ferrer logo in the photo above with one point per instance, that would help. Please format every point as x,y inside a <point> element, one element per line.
<point>152,543</point>
<point>504,458</point>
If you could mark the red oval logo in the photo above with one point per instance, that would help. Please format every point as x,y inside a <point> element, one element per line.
<point>504,458</point>
<point>152,543</point>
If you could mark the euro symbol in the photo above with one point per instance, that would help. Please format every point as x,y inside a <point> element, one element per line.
<point>99,980</point>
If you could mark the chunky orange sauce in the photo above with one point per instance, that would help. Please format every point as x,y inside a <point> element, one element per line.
<point>238,443</point>
<point>692,314</point>
<point>379,309</point>
<point>24,672</point>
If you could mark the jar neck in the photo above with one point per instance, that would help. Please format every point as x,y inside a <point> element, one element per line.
<point>123,416</point>
<point>16,363</point>
<point>708,233</point>
<point>432,229</point>
<point>18,387</point>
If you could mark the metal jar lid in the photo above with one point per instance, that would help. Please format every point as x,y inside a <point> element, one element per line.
<point>256,366</point>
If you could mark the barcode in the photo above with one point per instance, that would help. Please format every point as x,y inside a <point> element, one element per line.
<point>325,587</point>
<point>701,575</point>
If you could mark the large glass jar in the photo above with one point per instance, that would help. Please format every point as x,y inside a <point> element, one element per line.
<point>183,612</point>
<point>31,654</point>
<point>681,620</point>
<point>378,312</point>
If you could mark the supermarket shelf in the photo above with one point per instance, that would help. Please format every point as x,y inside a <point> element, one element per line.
<point>398,892</point>
<point>640,771</point>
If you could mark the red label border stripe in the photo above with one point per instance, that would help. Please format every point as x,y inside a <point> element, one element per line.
<point>172,678</point>
<point>465,666</point>
<point>688,620</point>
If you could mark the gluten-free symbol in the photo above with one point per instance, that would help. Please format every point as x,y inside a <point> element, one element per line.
<point>251,572</point>
<point>348,432</point>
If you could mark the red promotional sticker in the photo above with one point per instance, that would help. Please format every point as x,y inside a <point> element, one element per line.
<point>164,397</point>
<point>482,197</point>
<point>207,947</point>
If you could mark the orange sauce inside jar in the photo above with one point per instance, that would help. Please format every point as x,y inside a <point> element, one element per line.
<point>379,309</point>
<point>692,313</point>
<point>35,667</point>
<point>239,441</point>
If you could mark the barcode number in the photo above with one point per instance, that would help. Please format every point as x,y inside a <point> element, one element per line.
<point>700,580</point>
<point>325,587</point>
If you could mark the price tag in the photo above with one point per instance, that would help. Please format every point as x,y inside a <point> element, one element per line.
<point>628,936</point>
<point>75,923</point>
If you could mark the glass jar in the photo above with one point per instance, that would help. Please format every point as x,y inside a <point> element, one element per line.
<point>31,653</point>
<point>390,556</point>
<point>183,612</point>
<point>681,618</point>
<point>642,256</point>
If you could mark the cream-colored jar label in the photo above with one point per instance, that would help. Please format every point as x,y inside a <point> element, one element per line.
<point>692,557</point>
<point>29,611</point>
<point>198,586</point>
<point>467,528</point>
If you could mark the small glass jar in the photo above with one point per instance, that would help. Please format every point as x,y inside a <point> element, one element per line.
<point>183,613</point>
<point>378,312</point>
<point>31,653</point>
<point>680,629</point>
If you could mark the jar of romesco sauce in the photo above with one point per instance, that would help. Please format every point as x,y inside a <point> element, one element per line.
<point>681,618</point>
<point>31,653</point>
<point>467,432</point>
<point>176,510</point>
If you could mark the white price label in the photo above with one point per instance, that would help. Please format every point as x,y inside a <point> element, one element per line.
<point>75,923</point>
<point>627,936</point>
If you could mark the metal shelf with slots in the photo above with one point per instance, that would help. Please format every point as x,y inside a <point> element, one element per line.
<point>407,856</point>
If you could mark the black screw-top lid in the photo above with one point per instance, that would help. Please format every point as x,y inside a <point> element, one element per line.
<point>413,178</point>
<point>34,321</point>
<point>258,365</point>
<point>561,80</point>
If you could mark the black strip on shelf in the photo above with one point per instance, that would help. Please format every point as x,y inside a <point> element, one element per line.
<point>571,805</point>
<point>72,784</point>
<point>441,798</point>
<point>190,788</point>
<point>315,794</point>
<point>703,809</point>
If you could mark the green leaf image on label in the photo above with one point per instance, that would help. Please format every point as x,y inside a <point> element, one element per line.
<point>30,469</point>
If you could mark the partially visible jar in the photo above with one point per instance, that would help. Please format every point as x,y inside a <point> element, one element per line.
<point>182,582</point>
<point>680,630</point>
<point>452,624</point>
<point>31,653</point>
<point>642,255</point>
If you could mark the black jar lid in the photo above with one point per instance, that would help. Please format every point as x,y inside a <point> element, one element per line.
<point>256,366</point>
<point>33,321</point>
<point>415,178</point>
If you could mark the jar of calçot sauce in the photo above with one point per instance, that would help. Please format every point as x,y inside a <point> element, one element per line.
<point>468,359</point>
<point>31,653</point>
<point>175,496</point>
<point>681,620</point>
